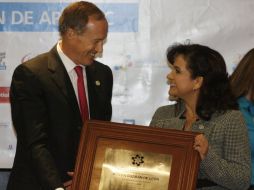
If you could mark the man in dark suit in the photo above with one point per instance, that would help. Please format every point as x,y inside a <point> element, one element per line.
<point>45,100</point>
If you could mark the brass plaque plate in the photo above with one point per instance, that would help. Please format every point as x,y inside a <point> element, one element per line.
<point>135,170</point>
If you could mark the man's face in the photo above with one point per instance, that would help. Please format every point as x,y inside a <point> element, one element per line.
<point>82,48</point>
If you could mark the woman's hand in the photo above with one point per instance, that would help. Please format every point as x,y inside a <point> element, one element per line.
<point>201,145</point>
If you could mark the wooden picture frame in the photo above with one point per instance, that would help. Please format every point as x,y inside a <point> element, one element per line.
<point>98,138</point>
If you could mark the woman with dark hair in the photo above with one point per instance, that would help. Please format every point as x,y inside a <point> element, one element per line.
<point>242,82</point>
<point>199,80</point>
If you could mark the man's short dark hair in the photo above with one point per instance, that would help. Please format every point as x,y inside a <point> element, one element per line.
<point>76,16</point>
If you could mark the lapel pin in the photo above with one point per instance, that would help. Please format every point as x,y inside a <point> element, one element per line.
<point>201,126</point>
<point>98,83</point>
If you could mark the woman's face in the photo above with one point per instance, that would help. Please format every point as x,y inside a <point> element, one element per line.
<point>180,81</point>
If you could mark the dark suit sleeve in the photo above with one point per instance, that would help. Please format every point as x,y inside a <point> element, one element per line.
<point>30,119</point>
<point>109,90</point>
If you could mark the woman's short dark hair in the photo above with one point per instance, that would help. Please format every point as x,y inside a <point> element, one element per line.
<point>76,16</point>
<point>242,80</point>
<point>215,93</point>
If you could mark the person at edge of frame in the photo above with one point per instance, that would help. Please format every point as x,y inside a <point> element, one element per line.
<point>242,82</point>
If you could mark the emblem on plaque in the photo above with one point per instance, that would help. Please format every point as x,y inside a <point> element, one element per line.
<point>137,160</point>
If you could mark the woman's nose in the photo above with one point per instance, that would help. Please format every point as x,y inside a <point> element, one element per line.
<point>169,75</point>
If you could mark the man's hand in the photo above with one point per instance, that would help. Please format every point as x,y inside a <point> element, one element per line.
<point>67,184</point>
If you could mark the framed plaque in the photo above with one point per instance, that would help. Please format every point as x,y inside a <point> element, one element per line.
<point>116,156</point>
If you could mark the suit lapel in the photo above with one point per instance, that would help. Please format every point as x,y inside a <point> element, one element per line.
<point>93,88</point>
<point>61,78</point>
<point>89,74</point>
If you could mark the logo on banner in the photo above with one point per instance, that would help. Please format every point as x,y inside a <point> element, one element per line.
<point>4,94</point>
<point>2,61</point>
<point>43,17</point>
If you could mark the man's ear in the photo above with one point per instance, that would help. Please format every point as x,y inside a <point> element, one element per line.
<point>70,33</point>
<point>198,83</point>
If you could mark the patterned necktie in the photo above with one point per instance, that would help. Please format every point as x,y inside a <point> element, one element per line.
<point>82,94</point>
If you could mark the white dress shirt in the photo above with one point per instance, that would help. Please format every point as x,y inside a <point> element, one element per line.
<point>69,66</point>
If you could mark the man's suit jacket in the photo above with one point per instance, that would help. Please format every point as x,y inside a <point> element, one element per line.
<point>47,119</point>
